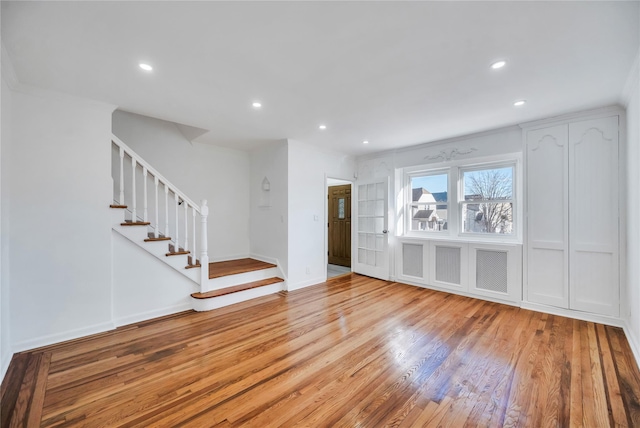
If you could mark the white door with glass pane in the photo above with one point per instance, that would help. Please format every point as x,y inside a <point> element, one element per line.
<point>372,253</point>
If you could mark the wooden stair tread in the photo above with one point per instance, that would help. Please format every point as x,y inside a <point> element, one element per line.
<point>135,223</point>
<point>160,238</point>
<point>118,206</point>
<point>236,288</point>
<point>177,253</point>
<point>193,266</point>
<point>233,267</point>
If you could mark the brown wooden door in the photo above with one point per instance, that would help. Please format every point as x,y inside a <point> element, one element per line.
<point>340,225</point>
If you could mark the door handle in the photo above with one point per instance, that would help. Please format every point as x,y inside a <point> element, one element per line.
<point>385,231</point>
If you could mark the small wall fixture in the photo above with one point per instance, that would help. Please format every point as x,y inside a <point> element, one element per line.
<point>266,186</point>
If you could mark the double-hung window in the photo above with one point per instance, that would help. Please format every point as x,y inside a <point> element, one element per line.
<point>463,200</point>
<point>487,199</point>
<point>429,201</point>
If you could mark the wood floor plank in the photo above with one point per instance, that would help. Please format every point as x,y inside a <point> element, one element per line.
<point>354,351</point>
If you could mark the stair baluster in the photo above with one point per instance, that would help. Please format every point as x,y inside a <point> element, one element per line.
<point>194,254</point>
<point>186,226</point>
<point>166,210</point>
<point>144,187</point>
<point>134,218</point>
<point>176,248</point>
<point>121,200</point>
<point>156,231</point>
<point>204,257</point>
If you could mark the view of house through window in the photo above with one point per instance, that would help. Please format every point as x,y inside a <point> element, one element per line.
<point>429,202</point>
<point>462,199</point>
<point>488,200</point>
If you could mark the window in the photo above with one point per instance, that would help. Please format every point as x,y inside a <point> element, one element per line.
<point>463,199</point>
<point>487,203</point>
<point>429,203</point>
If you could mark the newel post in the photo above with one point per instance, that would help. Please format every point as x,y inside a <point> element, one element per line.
<point>204,257</point>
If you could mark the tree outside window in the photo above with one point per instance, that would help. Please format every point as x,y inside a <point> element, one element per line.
<point>488,200</point>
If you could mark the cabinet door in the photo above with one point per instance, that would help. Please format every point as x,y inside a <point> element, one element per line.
<point>547,277</point>
<point>593,202</point>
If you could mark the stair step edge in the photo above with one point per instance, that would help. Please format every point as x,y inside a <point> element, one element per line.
<point>177,253</point>
<point>118,206</point>
<point>163,238</point>
<point>237,288</point>
<point>137,223</point>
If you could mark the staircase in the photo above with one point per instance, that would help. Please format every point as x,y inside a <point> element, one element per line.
<point>165,231</point>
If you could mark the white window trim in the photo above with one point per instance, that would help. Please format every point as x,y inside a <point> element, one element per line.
<point>454,204</point>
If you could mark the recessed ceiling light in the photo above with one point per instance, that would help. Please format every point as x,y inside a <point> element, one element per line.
<point>519,103</point>
<point>365,142</point>
<point>322,127</point>
<point>256,104</point>
<point>145,67</point>
<point>498,64</point>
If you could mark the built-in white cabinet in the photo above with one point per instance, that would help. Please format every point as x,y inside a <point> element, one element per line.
<point>572,225</point>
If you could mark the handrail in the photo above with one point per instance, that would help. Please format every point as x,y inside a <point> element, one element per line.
<point>128,150</point>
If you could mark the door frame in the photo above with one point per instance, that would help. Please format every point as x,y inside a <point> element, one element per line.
<point>335,181</point>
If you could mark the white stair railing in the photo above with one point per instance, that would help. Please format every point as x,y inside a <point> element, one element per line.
<point>179,240</point>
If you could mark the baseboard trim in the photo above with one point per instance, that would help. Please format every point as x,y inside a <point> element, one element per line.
<point>229,257</point>
<point>271,260</point>
<point>51,339</point>
<point>156,313</point>
<point>633,341</point>
<point>304,284</point>
<point>457,292</point>
<point>583,316</point>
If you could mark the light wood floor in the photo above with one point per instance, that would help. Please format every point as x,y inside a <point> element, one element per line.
<point>351,352</point>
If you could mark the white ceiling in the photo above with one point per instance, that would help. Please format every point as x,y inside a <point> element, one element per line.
<point>394,73</point>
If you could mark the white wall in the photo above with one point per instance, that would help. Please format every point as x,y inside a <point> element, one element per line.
<point>201,171</point>
<point>59,235</point>
<point>143,286</point>
<point>269,209</point>
<point>308,170</point>
<point>5,332</point>
<point>384,164</point>
<point>632,309</point>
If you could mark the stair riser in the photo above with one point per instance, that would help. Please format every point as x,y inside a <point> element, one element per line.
<point>241,278</point>
<point>201,305</point>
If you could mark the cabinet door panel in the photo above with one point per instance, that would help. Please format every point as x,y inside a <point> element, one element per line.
<point>547,215</point>
<point>593,201</point>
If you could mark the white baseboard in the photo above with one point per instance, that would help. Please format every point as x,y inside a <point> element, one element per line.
<point>62,337</point>
<point>307,283</point>
<point>156,313</point>
<point>271,260</point>
<point>583,316</point>
<point>458,292</point>
<point>229,257</point>
<point>633,341</point>
<point>265,259</point>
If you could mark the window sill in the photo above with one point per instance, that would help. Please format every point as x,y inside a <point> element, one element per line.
<point>474,239</point>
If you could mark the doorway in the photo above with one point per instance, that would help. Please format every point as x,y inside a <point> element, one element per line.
<point>338,227</point>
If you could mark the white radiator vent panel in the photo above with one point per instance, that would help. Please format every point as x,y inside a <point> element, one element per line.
<point>412,260</point>
<point>491,270</point>
<point>448,261</point>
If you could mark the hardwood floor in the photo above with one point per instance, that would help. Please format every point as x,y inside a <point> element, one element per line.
<point>354,351</point>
